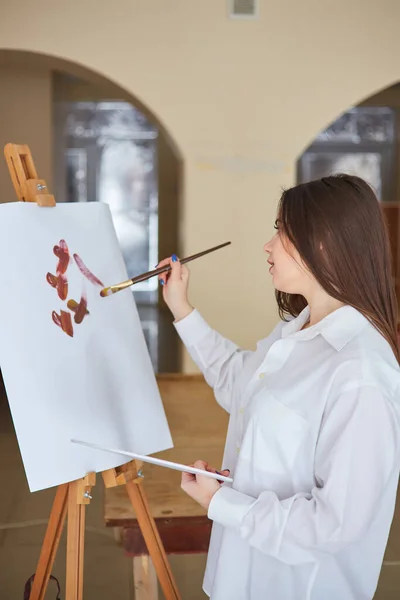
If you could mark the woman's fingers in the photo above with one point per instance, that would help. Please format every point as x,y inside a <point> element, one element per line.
<point>201,464</point>
<point>225,472</point>
<point>163,263</point>
<point>187,477</point>
<point>185,273</point>
<point>190,479</point>
<point>176,269</point>
<point>163,277</point>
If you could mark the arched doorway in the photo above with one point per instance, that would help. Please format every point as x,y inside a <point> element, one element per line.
<point>364,140</point>
<point>96,142</point>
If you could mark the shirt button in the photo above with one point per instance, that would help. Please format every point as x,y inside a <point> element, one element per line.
<point>238,449</point>
<point>261,376</point>
<point>241,410</point>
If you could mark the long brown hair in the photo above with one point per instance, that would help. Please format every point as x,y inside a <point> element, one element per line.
<point>341,215</point>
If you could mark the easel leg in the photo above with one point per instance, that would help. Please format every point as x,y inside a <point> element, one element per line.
<point>50,544</point>
<point>144,578</point>
<point>153,540</point>
<point>75,544</point>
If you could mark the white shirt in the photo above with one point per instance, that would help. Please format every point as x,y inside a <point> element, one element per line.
<point>313,448</point>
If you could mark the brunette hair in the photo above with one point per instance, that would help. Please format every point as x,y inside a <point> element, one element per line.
<point>337,226</point>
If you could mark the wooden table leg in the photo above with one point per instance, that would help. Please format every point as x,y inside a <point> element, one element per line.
<point>153,541</point>
<point>50,544</point>
<point>144,578</point>
<point>117,532</point>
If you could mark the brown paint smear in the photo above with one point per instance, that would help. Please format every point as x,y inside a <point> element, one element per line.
<point>60,283</point>
<point>63,320</point>
<point>79,309</point>
<point>62,252</point>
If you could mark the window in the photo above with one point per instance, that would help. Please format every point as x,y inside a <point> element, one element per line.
<point>109,154</point>
<point>360,142</point>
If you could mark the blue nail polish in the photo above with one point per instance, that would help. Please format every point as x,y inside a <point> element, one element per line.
<point>162,281</point>
<point>174,258</point>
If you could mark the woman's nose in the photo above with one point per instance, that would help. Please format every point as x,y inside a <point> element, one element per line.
<point>268,247</point>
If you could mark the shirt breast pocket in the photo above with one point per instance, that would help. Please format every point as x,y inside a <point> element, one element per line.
<point>275,432</point>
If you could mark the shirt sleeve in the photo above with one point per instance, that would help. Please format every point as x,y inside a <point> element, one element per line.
<point>356,464</point>
<point>219,359</point>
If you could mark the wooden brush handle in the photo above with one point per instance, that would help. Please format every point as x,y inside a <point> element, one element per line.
<point>155,272</point>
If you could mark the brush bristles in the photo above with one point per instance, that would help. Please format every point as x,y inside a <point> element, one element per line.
<point>106,292</point>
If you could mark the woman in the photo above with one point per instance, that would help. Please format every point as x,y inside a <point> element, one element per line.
<point>313,437</point>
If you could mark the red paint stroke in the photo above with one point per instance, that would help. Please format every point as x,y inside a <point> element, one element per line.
<point>86,272</point>
<point>62,253</point>
<point>60,283</point>
<point>80,309</point>
<point>63,320</point>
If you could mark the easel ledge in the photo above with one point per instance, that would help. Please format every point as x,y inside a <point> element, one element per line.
<point>27,185</point>
<point>73,497</point>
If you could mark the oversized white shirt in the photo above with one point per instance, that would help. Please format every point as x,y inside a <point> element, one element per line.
<point>314,451</point>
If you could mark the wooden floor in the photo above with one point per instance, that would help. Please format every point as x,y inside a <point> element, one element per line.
<point>108,574</point>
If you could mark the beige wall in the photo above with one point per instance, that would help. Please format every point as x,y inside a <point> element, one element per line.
<point>241,99</point>
<point>25,117</point>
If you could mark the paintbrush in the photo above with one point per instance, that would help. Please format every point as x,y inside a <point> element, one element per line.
<point>158,461</point>
<point>108,291</point>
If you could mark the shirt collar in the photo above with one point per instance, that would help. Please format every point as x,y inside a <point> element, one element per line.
<point>338,328</point>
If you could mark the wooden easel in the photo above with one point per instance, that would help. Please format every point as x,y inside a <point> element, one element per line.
<point>73,497</point>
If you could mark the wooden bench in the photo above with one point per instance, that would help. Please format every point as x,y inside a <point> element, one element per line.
<point>198,426</point>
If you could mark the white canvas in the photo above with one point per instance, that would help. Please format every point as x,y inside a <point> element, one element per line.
<point>94,382</point>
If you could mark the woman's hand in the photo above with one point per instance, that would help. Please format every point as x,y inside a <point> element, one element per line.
<point>175,287</point>
<point>200,487</point>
